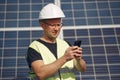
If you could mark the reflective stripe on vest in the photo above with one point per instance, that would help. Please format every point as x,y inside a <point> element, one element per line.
<point>48,57</point>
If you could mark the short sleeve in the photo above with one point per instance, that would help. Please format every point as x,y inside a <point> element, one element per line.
<point>32,55</point>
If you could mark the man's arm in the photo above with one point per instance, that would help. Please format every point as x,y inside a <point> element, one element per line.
<point>44,71</point>
<point>79,63</point>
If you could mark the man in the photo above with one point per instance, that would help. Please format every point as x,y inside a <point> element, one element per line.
<point>50,58</point>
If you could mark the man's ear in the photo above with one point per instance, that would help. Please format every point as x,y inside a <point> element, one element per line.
<point>42,24</point>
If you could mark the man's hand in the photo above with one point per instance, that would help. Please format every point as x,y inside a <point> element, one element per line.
<point>78,53</point>
<point>73,52</point>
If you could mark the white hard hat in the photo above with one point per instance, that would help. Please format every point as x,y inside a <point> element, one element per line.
<point>51,11</point>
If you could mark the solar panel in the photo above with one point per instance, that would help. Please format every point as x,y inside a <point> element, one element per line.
<point>95,22</point>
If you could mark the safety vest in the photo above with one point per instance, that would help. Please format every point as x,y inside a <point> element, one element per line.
<point>66,72</point>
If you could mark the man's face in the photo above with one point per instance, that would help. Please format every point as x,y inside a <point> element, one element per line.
<point>52,28</point>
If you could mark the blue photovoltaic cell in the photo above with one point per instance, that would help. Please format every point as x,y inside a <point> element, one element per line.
<point>83,32</point>
<point>95,32</point>
<point>36,1</point>
<point>2,1</point>
<point>78,6</point>
<point>1,42</point>
<point>80,22</point>
<point>113,59</point>
<point>69,14</point>
<point>114,4</point>
<point>35,15</point>
<point>8,73</point>
<point>104,13</point>
<point>24,8</point>
<point>118,40</point>
<point>1,34</point>
<point>21,62</point>
<point>89,71</point>
<point>21,51</point>
<point>116,20</point>
<point>101,60</point>
<point>67,7</point>
<point>93,21</point>
<point>112,50</point>
<point>116,77</point>
<point>10,43</point>
<point>89,62</point>
<point>23,42</point>
<point>12,1</point>
<point>117,31</point>
<point>70,40</point>
<point>106,21</point>
<point>108,31</point>
<point>103,5</point>
<point>96,40</point>
<point>11,23</point>
<point>103,77</point>
<point>98,50</point>
<point>78,14</point>
<point>22,73</point>
<point>100,41</point>
<point>35,23</point>
<point>85,41</point>
<point>9,52</point>
<point>1,17</point>
<point>36,7</point>
<point>11,8</point>
<point>92,13</point>
<point>22,1</point>
<point>24,15</point>
<point>90,5</point>
<point>24,23</point>
<point>69,33</point>
<point>10,16</point>
<point>87,78</point>
<point>10,34</point>
<point>115,12</point>
<point>110,40</point>
<point>9,62</point>
<point>101,70</point>
<point>2,8</point>
<point>39,33</point>
<point>115,69</point>
<point>68,22</point>
<point>23,34</point>
<point>2,24</point>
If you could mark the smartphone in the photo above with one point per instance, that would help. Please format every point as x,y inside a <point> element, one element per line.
<point>77,43</point>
